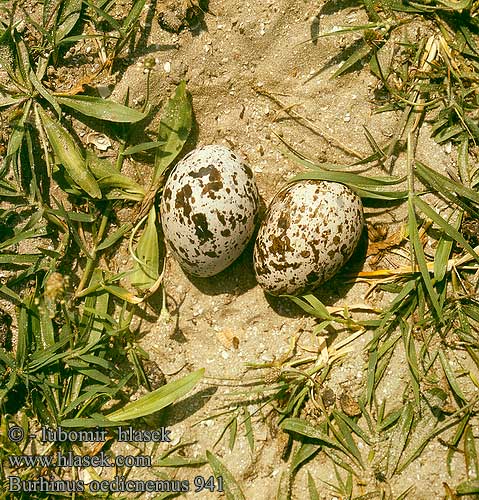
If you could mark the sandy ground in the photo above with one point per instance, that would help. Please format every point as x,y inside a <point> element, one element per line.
<point>244,50</point>
<point>239,53</point>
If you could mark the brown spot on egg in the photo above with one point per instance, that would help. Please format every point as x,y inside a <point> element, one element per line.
<point>182,200</point>
<point>232,222</point>
<point>211,187</point>
<point>281,266</point>
<point>202,172</point>
<point>280,245</point>
<point>283,221</point>
<point>221,217</point>
<point>215,175</point>
<point>201,227</point>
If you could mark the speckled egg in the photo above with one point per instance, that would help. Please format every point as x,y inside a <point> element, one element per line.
<point>209,209</point>
<point>310,230</point>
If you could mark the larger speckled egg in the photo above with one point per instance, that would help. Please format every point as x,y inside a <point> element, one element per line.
<point>310,230</point>
<point>209,209</point>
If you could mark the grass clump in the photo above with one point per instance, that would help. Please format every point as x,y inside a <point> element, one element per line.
<point>424,55</point>
<point>64,350</point>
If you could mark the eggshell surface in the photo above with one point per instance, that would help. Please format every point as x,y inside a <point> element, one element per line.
<point>310,230</point>
<point>209,209</point>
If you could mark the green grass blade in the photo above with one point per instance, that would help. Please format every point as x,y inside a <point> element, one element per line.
<point>68,154</point>
<point>444,248</point>
<point>451,377</point>
<point>371,379</point>
<point>44,93</point>
<point>21,236</point>
<point>283,491</point>
<point>121,293</point>
<point>147,255</point>
<point>421,259</point>
<point>360,53</point>
<point>8,292</point>
<point>444,185</point>
<point>23,338</point>
<point>6,100</point>
<point>399,438</point>
<point>463,162</point>
<point>109,178</point>
<point>133,15</point>
<point>344,435</point>
<point>302,427</point>
<point>338,415</point>
<point>305,452</point>
<point>312,489</point>
<point>468,487</point>
<point>94,420</point>
<point>46,326</point>
<point>109,19</point>
<point>470,454</point>
<point>88,371</point>
<point>119,182</point>
<point>87,397</point>
<point>48,356</point>
<point>178,461</point>
<point>458,5</point>
<point>175,127</point>
<point>158,399</point>
<point>18,132</point>
<point>225,428</point>
<point>249,428</point>
<point>232,488</point>
<point>102,109</point>
<point>115,236</point>
<point>350,178</point>
<point>447,228</point>
<point>90,359</point>
<point>411,358</point>
<point>233,433</point>
<point>23,62</point>
<point>139,148</point>
<point>366,187</point>
<point>69,15</point>
<point>19,260</point>
<point>389,420</point>
<point>312,305</point>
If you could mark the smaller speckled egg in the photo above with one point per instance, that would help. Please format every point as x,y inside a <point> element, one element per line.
<point>310,230</point>
<point>209,209</point>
